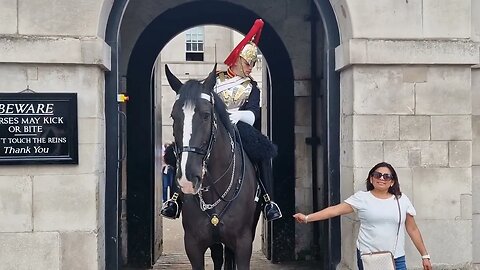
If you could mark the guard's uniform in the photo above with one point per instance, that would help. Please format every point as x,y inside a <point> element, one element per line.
<point>238,93</point>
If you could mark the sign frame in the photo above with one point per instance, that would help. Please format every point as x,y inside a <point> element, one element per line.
<point>68,101</point>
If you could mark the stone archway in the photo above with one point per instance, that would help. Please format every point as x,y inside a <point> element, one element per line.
<point>143,53</point>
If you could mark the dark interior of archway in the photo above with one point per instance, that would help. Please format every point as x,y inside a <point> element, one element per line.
<point>140,128</point>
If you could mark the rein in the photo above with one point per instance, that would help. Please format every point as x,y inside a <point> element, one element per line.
<point>239,183</point>
<point>211,141</point>
<point>206,153</point>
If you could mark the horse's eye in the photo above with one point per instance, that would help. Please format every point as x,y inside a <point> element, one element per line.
<point>205,116</point>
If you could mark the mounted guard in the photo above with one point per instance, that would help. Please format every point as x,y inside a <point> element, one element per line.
<point>241,95</point>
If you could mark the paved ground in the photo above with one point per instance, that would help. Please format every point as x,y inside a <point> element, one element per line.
<point>174,257</point>
<point>179,261</point>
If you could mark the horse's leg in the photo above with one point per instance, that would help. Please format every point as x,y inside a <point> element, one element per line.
<point>195,253</point>
<point>217,256</point>
<point>229,259</point>
<point>243,252</point>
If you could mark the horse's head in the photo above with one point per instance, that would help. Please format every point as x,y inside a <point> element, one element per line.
<point>194,125</point>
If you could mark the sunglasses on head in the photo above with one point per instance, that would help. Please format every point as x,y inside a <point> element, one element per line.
<point>386,176</point>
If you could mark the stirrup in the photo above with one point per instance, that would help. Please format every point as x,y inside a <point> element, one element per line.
<point>271,211</point>
<point>171,208</point>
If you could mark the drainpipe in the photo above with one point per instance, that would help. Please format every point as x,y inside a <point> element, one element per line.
<point>314,140</point>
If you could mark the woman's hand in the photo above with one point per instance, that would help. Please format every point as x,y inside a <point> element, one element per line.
<point>329,212</point>
<point>427,265</point>
<point>301,218</point>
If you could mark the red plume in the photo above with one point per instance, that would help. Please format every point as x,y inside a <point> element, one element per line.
<point>254,34</point>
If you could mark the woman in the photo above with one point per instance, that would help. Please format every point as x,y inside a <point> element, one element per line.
<point>378,212</point>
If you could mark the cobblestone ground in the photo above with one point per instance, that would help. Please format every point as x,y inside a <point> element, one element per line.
<point>179,261</point>
<point>174,257</point>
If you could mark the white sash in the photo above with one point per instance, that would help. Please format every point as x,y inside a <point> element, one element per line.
<point>229,83</point>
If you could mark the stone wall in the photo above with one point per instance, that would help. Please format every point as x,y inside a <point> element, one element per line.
<point>408,98</point>
<point>52,215</point>
<point>476,165</point>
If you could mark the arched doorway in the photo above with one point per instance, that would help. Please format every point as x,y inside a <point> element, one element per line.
<point>140,147</point>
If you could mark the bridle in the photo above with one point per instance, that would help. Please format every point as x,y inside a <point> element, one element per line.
<point>198,150</point>
<point>206,157</point>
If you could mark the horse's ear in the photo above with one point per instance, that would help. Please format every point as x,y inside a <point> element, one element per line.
<point>174,82</point>
<point>211,79</point>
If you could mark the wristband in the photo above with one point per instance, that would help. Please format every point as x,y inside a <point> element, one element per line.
<point>306,219</point>
<point>426,256</point>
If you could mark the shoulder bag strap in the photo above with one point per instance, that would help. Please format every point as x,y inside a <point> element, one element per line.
<point>399,221</point>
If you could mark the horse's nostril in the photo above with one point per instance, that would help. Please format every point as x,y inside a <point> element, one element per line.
<point>196,180</point>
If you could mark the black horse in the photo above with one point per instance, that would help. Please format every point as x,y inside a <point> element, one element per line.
<point>216,176</point>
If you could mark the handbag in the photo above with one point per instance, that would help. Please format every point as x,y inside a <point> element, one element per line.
<point>382,260</point>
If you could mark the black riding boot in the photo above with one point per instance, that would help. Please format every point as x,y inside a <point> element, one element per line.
<point>271,211</point>
<point>172,207</point>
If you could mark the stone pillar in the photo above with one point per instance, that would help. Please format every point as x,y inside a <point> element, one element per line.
<point>476,165</point>
<point>418,118</point>
<point>303,168</point>
<point>476,142</point>
<point>52,216</point>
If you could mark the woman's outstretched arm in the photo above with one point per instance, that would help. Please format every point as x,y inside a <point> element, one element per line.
<point>329,212</point>
<point>416,236</point>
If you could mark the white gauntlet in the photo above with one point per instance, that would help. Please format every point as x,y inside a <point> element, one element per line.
<point>244,116</point>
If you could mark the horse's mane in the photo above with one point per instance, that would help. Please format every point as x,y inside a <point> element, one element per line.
<point>222,113</point>
<point>191,91</point>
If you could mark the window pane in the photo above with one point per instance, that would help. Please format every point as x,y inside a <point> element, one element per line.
<point>194,39</point>
<point>193,56</point>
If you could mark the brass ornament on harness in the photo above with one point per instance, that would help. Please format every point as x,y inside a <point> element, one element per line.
<point>214,220</point>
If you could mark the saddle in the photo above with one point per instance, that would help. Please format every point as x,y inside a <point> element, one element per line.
<point>257,146</point>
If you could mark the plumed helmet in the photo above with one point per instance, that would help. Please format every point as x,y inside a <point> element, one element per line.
<point>247,48</point>
<point>249,53</point>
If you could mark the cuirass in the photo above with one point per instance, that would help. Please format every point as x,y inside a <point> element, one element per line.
<point>235,96</point>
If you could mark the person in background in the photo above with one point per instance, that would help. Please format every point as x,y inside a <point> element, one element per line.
<point>378,210</point>
<point>168,173</point>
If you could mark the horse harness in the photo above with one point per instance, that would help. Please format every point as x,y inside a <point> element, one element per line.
<point>205,207</point>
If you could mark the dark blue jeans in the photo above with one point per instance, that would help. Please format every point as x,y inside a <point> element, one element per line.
<point>167,176</point>
<point>400,263</point>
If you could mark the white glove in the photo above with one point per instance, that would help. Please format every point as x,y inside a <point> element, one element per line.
<point>244,116</point>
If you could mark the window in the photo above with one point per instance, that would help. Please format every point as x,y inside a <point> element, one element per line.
<point>194,44</point>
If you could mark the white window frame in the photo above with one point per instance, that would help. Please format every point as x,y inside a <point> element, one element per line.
<point>195,37</point>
